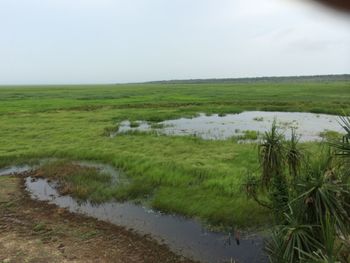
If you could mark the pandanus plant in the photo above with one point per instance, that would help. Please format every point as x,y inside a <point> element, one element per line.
<point>272,159</point>
<point>294,155</point>
<point>317,226</point>
<point>271,155</point>
<point>343,147</point>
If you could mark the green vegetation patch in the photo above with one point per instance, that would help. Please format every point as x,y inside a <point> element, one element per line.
<point>78,181</point>
<point>331,135</point>
<point>250,135</point>
<point>186,175</point>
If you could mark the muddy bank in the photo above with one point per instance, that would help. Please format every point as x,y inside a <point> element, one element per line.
<point>35,231</point>
<point>183,235</point>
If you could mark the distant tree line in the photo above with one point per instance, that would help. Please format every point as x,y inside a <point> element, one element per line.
<point>315,78</point>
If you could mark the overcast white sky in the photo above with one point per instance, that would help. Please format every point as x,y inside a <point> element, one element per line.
<point>109,41</point>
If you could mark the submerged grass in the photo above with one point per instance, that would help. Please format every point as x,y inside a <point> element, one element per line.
<point>81,182</point>
<point>110,130</point>
<point>249,135</point>
<point>186,175</point>
<point>134,124</point>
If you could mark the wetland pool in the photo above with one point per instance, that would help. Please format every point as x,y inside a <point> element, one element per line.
<point>309,126</point>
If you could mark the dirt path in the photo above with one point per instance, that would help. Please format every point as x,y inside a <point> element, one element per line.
<point>32,231</point>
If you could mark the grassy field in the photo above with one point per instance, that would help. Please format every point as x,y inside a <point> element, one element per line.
<point>186,175</point>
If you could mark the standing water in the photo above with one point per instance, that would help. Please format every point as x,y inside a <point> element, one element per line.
<point>215,127</point>
<point>184,236</point>
<point>15,170</point>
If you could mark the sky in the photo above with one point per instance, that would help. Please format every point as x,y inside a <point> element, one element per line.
<point>118,41</point>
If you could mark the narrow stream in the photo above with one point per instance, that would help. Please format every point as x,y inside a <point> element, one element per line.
<point>184,236</point>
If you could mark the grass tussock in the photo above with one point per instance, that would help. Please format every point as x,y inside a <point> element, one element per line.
<point>78,181</point>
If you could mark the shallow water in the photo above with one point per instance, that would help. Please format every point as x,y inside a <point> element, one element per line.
<point>182,235</point>
<point>15,169</point>
<point>215,127</point>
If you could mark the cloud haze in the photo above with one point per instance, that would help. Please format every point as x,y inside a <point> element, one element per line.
<point>108,41</point>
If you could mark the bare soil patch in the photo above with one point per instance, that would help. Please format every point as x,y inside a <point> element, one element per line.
<point>33,231</point>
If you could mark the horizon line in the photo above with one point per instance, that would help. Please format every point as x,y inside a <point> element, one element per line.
<point>186,80</point>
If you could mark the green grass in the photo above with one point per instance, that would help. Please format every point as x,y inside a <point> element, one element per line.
<point>110,130</point>
<point>134,124</point>
<point>331,135</point>
<point>186,175</point>
<point>85,183</point>
<point>249,135</point>
<point>155,125</point>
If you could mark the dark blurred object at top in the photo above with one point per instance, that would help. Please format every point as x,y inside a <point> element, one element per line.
<point>343,5</point>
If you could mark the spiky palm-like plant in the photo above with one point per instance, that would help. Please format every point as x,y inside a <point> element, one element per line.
<point>322,194</point>
<point>272,160</point>
<point>316,229</point>
<point>289,241</point>
<point>271,155</point>
<point>344,146</point>
<point>315,223</point>
<point>294,155</point>
<point>330,249</point>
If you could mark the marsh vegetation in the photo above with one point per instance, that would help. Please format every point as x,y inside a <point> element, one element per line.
<point>181,174</point>
<point>185,175</point>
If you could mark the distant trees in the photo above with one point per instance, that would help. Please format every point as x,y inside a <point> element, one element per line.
<point>287,79</point>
